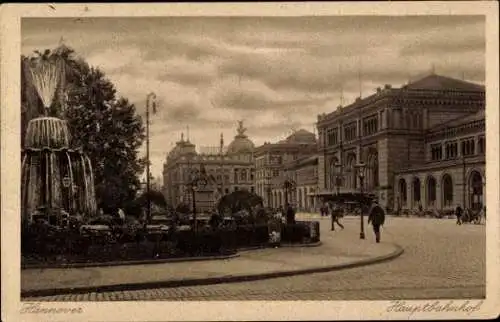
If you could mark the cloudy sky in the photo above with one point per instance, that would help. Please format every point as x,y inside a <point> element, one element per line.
<point>276,74</point>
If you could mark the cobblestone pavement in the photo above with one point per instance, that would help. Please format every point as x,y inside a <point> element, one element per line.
<point>441,260</point>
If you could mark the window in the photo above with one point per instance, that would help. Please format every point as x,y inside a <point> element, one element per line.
<point>447,191</point>
<point>482,145</point>
<point>235,176</point>
<point>436,152</point>
<point>467,147</point>
<point>332,136</point>
<point>276,173</point>
<point>350,131</point>
<point>252,190</point>
<point>243,175</point>
<point>370,125</point>
<point>276,159</point>
<point>451,150</point>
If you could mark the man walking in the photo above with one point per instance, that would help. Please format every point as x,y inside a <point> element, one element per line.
<point>336,213</point>
<point>377,219</point>
<point>458,213</point>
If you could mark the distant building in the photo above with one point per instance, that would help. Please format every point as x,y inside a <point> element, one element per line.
<point>270,162</point>
<point>423,144</point>
<point>304,173</point>
<point>228,168</point>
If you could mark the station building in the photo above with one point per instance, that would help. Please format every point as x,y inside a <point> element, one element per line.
<point>422,143</point>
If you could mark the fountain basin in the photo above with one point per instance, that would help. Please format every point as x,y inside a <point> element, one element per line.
<point>47,132</point>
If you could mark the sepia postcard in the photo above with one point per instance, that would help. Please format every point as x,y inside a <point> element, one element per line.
<point>250,161</point>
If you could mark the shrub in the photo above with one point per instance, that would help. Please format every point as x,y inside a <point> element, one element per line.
<point>204,242</point>
<point>252,235</point>
<point>300,232</point>
<point>239,200</point>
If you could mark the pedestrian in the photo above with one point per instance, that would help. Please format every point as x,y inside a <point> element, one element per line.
<point>290,215</point>
<point>459,213</point>
<point>335,215</point>
<point>377,219</point>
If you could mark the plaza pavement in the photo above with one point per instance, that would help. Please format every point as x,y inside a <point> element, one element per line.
<point>339,249</point>
<point>441,260</point>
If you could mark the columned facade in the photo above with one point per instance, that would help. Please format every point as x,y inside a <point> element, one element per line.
<point>414,141</point>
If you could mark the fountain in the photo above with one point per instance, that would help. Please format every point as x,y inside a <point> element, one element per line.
<point>57,179</point>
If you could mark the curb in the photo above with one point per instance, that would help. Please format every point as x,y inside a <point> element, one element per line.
<point>210,280</point>
<point>161,261</point>
<point>247,249</point>
<point>130,263</point>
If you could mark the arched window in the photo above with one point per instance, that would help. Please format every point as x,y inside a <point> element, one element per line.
<point>402,192</point>
<point>447,191</point>
<point>351,171</point>
<point>476,190</point>
<point>333,172</point>
<point>431,191</point>
<point>416,192</point>
<point>372,171</point>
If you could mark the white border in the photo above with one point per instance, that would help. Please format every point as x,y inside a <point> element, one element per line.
<point>206,311</point>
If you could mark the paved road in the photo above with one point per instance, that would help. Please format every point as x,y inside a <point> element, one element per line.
<point>441,260</point>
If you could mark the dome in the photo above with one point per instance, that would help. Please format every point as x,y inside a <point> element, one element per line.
<point>302,136</point>
<point>241,143</point>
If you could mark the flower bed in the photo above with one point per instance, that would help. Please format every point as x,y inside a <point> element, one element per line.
<point>48,244</point>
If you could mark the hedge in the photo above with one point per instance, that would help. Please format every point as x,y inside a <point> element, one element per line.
<point>48,243</point>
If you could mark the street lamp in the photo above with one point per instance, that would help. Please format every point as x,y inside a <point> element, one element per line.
<point>288,185</point>
<point>198,180</point>
<point>361,174</point>
<point>464,183</point>
<point>269,201</point>
<point>149,99</point>
<point>338,176</point>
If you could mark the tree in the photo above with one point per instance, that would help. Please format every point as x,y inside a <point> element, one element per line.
<point>105,126</point>
<point>239,200</point>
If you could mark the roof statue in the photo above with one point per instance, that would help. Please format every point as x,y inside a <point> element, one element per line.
<point>241,130</point>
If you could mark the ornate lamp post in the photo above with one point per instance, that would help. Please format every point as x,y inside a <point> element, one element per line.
<point>269,197</point>
<point>361,174</point>
<point>464,183</point>
<point>149,99</point>
<point>338,176</point>
<point>198,180</point>
<point>288,185</point>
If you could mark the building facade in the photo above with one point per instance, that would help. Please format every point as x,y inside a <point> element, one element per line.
<point>304,173</point>
<point>271,160</point>
<point>453,172</point>
<point>228,169</point>
<point>392,131</point>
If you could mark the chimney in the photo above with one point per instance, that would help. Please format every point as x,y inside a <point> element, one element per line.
<point>387,86</point>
